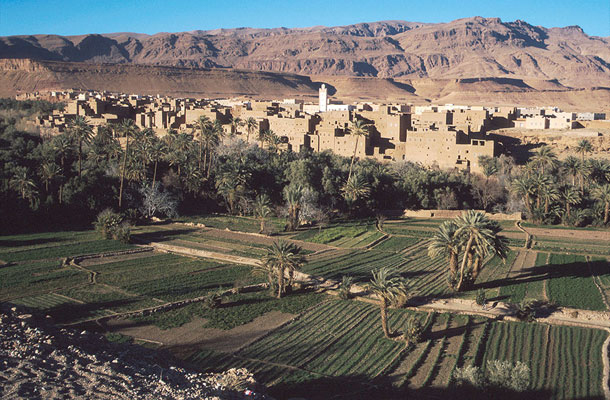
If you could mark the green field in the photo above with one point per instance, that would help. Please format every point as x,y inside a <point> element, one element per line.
<point>331,344</point>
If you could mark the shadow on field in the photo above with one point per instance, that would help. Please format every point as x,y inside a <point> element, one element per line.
<point>361,387</point>
<point>70,312</point>
<point>161,236</point>
<point>28,242</point>
<point>543,272</point>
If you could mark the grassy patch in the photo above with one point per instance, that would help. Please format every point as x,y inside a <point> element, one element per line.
<point>236,310</point>
<point>64,250</point>
<point>396,243</point>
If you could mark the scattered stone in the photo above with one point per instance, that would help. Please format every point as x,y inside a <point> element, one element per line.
<point>40,359</point>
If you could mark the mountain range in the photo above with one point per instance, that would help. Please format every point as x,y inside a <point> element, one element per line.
<point>462,49</point>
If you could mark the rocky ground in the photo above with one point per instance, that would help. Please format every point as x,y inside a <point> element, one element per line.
<point>38,360</point>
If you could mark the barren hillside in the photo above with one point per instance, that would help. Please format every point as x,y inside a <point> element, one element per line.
<point>466,48</point>
<point>21,76</point>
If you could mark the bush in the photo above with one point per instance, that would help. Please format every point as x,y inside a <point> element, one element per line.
<point>106,222</point>
<point>502,375</point>
<point>400,301</point>
<point>481,298</point>
<point>345,287</point>
<point>414,330</point>
<point>122,232</point>
<point>212,300</point>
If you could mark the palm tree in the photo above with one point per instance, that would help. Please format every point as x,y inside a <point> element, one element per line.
<point>570,196</point>
<point>284,257</point>
<point>358,128</point>
<point>262,209</point>
<point>549,194</point>
<point>203,125</point>
<point>22,183</point>
<point>386,285</point>
<point>211,140</point>
<point>545,157</point>
<point>127,128</point>
<point>584,172</point>
<point>251,125</point>
<point>236,122</point>
<point>479,237</point>
<point>445,243</point>
<point>355,188</point>
<point>49,172</point>
<point>571,165</point>
<point>293,194</point>
<point>583,147</point>
<point>264,136</point>
<point>602,195</point>
<point>156,153</point>
<point>523,187</point>
<point>82,132</point>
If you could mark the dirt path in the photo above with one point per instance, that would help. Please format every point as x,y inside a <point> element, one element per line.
<point>606,361</point>
<point>204,253</point>
<point>570,234</point>
<point>193,336</point>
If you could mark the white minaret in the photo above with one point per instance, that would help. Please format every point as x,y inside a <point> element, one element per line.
<point>323,98</point>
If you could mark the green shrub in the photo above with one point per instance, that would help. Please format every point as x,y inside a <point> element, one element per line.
<point>345,287</point>
<point>122,232</point>
<point>414,330</point>
<point>481,297</point>
<point>106,222</point>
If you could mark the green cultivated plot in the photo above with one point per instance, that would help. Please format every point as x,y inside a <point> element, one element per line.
<point>35,278</point>
<point>572,284</point>
<point>566,361</point>
<point>64,250</point>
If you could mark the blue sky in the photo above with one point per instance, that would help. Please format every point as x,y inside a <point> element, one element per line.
<point>73,17</point>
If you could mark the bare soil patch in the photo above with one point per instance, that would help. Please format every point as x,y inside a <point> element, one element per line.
<point>193,336</point>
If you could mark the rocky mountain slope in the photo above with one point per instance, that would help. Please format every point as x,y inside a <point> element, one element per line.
<point>465,48</point>
<point>25,76</point>
<point>39,361</point>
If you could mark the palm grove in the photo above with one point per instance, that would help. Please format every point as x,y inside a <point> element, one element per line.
<point>69,178</point>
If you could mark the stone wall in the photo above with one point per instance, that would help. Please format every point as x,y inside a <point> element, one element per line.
<point>441,214</point>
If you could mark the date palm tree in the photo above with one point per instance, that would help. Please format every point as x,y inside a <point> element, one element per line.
<point>127,128</point>
<point>251,125</point>
<point>545,158</point>
<point>355,188</point>
<point>262,209</point>
<point>156,153</point>
<point>293,195</point>
<point>81,131</point>
<point>523,187</point>
<point>284,257</point>
<point>236,122</point>
<point>386,285</point>
<point>479,237</point>
<point>49,172</point>
<point>583,147</point>
<point>571,165</point>
<point>445,243</point>
<point>358,129</point>
<point>601,194</point>
<point>22,183</point>
<point>570,197</point>
<point>203,125</point>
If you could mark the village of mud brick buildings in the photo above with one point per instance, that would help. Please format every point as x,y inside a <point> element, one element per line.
<point>448,136</point>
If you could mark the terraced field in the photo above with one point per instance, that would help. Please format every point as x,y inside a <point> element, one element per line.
<point>353,353</point>
<point>565,361</point>
<point>350,236</point>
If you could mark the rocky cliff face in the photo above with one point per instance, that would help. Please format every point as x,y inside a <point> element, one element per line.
<point>465,48</point>
<point>41,361</point>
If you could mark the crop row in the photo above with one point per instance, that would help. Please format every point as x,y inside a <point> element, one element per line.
<point>338,338</point>
<point>64,250</point>
<point>189,285</point>
<point>572,284</point>
<point>46,239</point>
<point>563,360</point>
<point>35,278</point>
<point>397,243</point>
